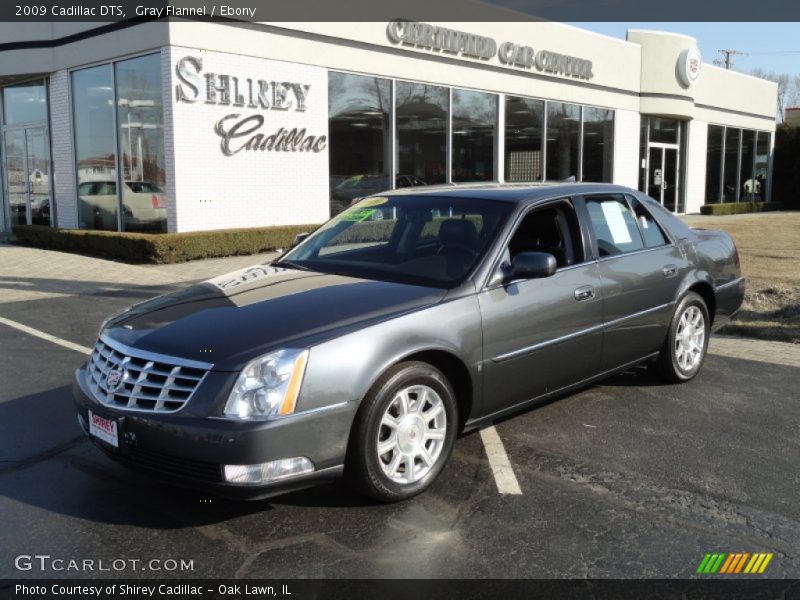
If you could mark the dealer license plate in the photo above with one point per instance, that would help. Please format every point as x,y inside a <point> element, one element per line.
<point>103,429</point>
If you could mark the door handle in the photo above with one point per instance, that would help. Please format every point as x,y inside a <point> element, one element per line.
<point>670,271</point>
<point>585,292</point>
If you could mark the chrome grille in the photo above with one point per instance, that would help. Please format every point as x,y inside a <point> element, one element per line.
<point>141,381</point>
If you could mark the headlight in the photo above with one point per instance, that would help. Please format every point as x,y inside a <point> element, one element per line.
<point>268,386</point>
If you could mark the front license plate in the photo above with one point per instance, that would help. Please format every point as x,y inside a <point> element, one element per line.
<point>103,429</point>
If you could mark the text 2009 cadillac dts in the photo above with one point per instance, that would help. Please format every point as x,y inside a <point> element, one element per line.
<point>405,320</point>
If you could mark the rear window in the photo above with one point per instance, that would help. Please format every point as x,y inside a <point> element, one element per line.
<point>614,225</point>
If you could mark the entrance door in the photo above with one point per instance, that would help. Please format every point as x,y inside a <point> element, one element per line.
<point>662,175</point>
<point>27,178</point>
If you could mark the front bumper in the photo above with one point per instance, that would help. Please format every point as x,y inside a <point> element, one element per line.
<point>191,450</point>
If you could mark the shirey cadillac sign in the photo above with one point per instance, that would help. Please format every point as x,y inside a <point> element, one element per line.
<point>458,43</point>
<point>248,132</point>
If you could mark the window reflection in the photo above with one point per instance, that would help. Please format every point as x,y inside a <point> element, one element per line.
<point>731,164</point>
<point>421,116</point>
<point>563,127</point>
<point>474,124</point>
<point>664,130</point>
<point>359,137</point>
<point>24,103</point>
<point>598,145</point>
<point>748,183</point>
<point>714,162</point>
<point>95,158</point>
<point>141,143</point>
<point>523,139</point>
<point>762,165</point>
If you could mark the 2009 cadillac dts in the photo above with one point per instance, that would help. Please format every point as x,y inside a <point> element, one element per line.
<point>408,318</point>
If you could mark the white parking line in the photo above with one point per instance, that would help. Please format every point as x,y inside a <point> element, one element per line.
<point>45,336</point>
<point>498,460</point>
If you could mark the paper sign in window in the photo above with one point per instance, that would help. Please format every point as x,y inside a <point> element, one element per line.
<point>616,222</point>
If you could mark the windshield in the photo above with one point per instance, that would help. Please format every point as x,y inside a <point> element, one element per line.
<point>422,240</point>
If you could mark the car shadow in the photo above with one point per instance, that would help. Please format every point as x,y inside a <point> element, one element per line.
<point>51,465</point>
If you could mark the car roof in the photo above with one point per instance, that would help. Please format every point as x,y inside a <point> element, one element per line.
<point>508,192</point>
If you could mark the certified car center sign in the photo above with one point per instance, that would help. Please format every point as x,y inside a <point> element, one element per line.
<point>435,39</point>
<point>259,96</point>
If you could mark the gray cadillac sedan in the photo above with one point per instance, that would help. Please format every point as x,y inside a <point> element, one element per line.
<point>404,321</point>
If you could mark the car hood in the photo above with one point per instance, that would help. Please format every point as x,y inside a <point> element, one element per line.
<point>231,319</point>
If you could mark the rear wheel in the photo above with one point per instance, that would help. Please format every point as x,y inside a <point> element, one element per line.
<point>404,433</point>
<point>685,348</point>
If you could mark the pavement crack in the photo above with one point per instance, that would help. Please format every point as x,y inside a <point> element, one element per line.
<point>16,465</point>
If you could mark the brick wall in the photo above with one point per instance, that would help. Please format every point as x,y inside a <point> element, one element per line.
<point>63,165</point>
<point>209,190</point>
<point>626,148</point>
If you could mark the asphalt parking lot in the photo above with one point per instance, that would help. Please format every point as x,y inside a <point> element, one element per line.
<point>630,478</point>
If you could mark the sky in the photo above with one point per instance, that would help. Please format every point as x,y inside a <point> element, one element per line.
<point>762,41</point>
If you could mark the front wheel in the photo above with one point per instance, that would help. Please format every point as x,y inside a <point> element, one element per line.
<point>404,433</point>
<point>685,348</point>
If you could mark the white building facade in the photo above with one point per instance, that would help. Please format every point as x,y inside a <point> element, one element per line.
<point>191,126</point>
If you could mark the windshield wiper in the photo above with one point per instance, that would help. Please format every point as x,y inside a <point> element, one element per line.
<point>287,264</point>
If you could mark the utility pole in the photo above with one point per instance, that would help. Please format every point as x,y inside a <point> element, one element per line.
<point>728,61</point>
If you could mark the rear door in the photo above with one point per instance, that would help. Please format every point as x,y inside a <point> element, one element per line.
<point>541,335</point>
<point>641,270</point>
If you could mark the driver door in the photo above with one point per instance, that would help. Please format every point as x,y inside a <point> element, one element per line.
<point>541,335</point>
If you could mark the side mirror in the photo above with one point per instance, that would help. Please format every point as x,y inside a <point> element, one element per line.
<point>298,239</point>
<point>532,265</point>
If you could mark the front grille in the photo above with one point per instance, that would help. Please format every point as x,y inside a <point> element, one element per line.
<point>166,464</point>
<point>127,379</point>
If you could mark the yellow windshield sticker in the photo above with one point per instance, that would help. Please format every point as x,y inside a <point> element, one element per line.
<point>372,202</point>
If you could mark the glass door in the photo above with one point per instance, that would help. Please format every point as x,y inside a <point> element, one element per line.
<point>27,175</point>
<point>662,175</point>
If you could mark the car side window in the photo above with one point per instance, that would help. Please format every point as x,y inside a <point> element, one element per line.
<point>614,225</point>
<point>553,229</point>
<point>651,232</point>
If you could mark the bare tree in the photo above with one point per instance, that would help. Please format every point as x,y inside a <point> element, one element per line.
<point>788,88</point>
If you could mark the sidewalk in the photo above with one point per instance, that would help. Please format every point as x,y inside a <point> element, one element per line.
<point>33,273</point>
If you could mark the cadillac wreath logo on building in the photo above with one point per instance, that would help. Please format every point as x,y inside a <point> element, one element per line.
<point>689,65</point>
<point>239,132</point>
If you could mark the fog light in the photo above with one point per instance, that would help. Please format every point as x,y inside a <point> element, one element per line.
<point>267,472</point>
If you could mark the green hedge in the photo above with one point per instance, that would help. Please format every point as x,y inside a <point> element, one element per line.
<point>736,208</point>
<point>160,248</point>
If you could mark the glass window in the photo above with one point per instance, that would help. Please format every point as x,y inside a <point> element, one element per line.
<point>614,225</point>
<point>474,126</point>
<point>24,103</point>
<point>664,130</point>
<point>423,240</point>
<point>359,114</point>
<point>598,145</point>
<point>421,117</point>
<point>731,163</point>
<point>714,162</point>
<point>748,182</point>
<point>563,127</point>
<point>651,232</point>
<point>762,165</point>
<point>552,229</point>
<point>523,139</point>
<point>95,157</point>
<point>140,137</point>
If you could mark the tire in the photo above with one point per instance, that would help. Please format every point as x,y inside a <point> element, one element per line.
<point>389,416</point>
<point>683,353</point>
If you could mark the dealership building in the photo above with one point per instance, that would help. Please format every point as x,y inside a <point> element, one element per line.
<point>185,126</point>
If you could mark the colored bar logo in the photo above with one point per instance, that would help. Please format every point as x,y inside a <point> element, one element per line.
<point>734,563</point>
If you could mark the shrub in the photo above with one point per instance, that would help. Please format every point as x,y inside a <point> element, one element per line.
<point>161,248</point>
<point>736,208</point>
